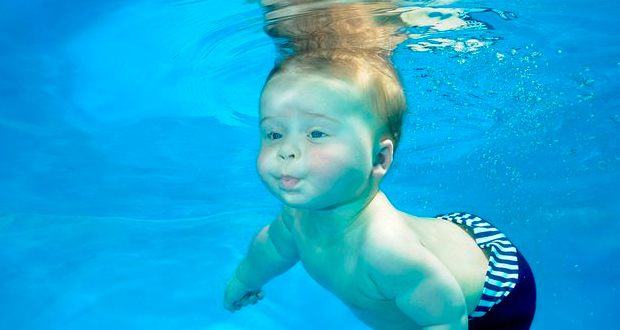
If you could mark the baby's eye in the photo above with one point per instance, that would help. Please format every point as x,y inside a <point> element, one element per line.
<point>317,134</point>
<point>274,135</point>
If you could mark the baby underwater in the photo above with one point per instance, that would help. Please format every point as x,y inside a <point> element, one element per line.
<point>330,123</point>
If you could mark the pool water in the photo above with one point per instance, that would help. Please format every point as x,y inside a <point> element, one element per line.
<point>128,137</point>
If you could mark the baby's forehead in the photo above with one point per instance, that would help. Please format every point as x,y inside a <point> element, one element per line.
<point>306,84</point>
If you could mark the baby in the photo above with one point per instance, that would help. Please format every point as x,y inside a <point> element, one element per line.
<point>330,123</point>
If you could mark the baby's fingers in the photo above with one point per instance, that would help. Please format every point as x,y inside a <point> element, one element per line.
<point>251,298</point>
<point>255,297</point>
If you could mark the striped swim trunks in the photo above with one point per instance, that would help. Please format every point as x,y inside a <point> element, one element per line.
<point>503,270</point>
<point>508,275</point>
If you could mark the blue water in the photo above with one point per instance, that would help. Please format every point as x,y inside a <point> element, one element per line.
<point>128,135</point>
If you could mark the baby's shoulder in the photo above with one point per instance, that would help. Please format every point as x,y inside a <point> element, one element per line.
<point>393,243</point>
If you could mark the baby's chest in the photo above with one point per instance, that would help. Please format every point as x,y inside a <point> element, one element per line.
<point>340,270</point>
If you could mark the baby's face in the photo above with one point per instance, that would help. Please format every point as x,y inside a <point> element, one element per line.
<point>318,138</point>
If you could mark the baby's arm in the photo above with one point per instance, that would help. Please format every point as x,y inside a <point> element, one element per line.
<point>421,286</point>
<point>271,254</point>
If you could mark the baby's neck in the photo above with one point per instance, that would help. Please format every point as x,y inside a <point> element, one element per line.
<point>334,223</point>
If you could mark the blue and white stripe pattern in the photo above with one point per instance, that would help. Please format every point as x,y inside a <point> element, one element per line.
<point>503,272</point>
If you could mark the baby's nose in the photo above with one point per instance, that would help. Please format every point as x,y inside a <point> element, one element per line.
<point>287,155</point>
<point>289,151</point>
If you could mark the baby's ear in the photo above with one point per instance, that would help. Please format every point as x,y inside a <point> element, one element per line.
<point>383,159</point>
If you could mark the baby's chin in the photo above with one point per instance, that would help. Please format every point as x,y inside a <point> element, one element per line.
<point>295,200</point>
<point>307,204</point>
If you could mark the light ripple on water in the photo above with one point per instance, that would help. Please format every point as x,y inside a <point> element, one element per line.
<point>189,59</point>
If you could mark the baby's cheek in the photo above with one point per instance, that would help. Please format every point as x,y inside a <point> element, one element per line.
<point>262,163</point>
<point>325,162</point>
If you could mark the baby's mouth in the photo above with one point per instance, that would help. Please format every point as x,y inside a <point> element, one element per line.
<point>288,182</point>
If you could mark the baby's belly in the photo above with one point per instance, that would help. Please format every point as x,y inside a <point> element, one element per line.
<point>365,302</point>
<point>355,289</point>
<point>383,315</point>
<point>368,305</point>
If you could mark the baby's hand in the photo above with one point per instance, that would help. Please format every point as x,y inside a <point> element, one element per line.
<point>239,295</point>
